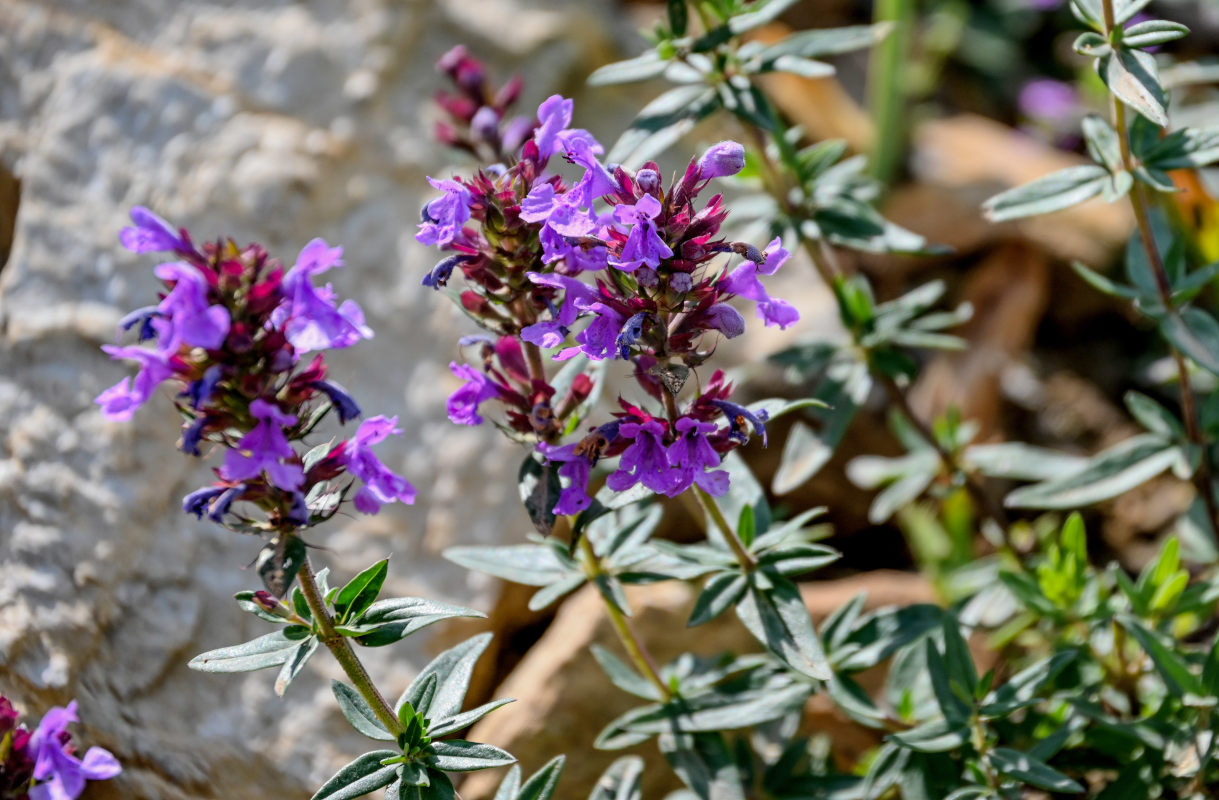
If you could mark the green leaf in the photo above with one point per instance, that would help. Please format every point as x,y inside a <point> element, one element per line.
<point>1153,32</point>
<point>774,612</point>
<point>458,755</point>
<point>357,711</point>
<point>803,455</point>
<point>937,736</point>
<point>1027,769</point>
<point>453,669</point>
<point>711,711</point>
<point>360,777</point>
<point>1054,192</point>
<point>703,761</point>
<point>764,13</point>
<point>245,601</point>
<point>446,725</point>
<point>295,663</point>
<point>1184,149</point>
<point>530,564</point>
<point>799,559</point>
<point>1022,462</point>
<point>883,632</point>
<point>641,68</point>
<point>1133,77</point>
<point>1022,689</point>
<point>270,650</point>
<point>958,662</point>
<point>623,676</point>
<point>1103,143</point>
<point>1196,334</point>
<point>361,591</point>
<point>1153,416</point>
<point>678,17</point>
<point>1176,674</point>
<point>541,784</point>
<point>662,122</point>
<point>1108,474</point>
<point>721,593</point>
<point>621,781</point>
<point>885,770</point>
<point>853,701</point>
<point>822,42</point>
<point>1103,284</point>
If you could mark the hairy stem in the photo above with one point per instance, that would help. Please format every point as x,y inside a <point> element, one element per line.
<point>338,644</point>
<point>633,645</point>
<point>1203,480</point>
<point>712,510</point>
<point>886,93</point>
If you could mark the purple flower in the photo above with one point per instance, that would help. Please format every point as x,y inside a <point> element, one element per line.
<point>599,340</point>
<point>1049,100</point>
<point>630,333</point>
<point>463,403</point>
<point>645,460</point>
<point>58,773</point>
<point>444,216</point>
<point>726,319</point>
<point>440,273</point>
<point>311,322</point>
<point>151,234</point>
<point>121,400</point>
<point>738,416</point>
<point>582,149</point>
<point>563,222</point>
<point>576,468</point>
<point>200,391</point>
<point>721,160</point>
<point>267,447</point>
<point>192,434</point>
<point>643,244</point>
<point>744,281</point>
<point>577,296</point>
<point>381,485</point>
<point>343,403</point>
<point>554,115</point>
<point>192,320</point>
<point>692,456</point>
<point>146,318</point>
<point>212,500</point>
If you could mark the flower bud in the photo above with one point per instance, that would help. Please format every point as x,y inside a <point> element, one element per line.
<point>647,277</point>
<point>648,181</point>
<point>726,319</point>
<point>681,282</point>
<point>485,124</point>
<point>721,160</point>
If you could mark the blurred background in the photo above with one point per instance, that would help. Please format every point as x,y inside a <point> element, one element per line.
<point>280,121</point>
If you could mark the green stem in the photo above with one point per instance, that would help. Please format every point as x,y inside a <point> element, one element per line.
<point>886,92</point>
<point>712,510</point>
<point>1203,480</point>
<point>634,647</point>
<point>338,645</point>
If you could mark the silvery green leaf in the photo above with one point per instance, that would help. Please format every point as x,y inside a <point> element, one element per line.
<point>883,632</point>
<point>547,595</point>
<point>799,559</point>
<point>777,617</point>
<point>453,669</point>
<point>270,650</point>
<point>1092,44</point>
<point>530,564</point>
<point>721,592</point>
<point>1133,77</point>
<point>662,122</point>
<point>1108,474</point>
<point>362,776</point>
<point>621,781</point>
<point>1021,690</point>
<point>623,676</point>
<point>1027,769</point>
<point>802,456</point>
<point>853,701</point>
<point>641,68</point>
<point>1153,416</point>
<point>357,711</point>
<point>295,663</point>
<point>391,620</point>
<point>447,725</point>
<point>510,785</point>
<point>1022,462</point>
<point>804,67</point>
<point>936,736</point>
<point>1053,192</point>
<point>1124,10</point>
<point>1089,12</point>
<point>1184,149</point>
<point>1153,32</point>
<point>1102,141</point>
<point>1196,333</point>
<point>704,763</point>
<point>1103,284</point>
<point>458,755</point>
<point>541,784</point>
<point>822,42</point>
<point>1178,677</point>
<point>760,14</point>
<point>885,770</point>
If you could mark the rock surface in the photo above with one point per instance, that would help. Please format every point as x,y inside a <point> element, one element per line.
<point>270,121</point>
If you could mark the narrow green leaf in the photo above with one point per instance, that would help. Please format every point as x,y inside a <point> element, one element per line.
<point>458,755</point>
<point>360,777</point>
<point>623,676</point>
<point>453,669</point>
<point>1132,76</point>
<point>389,621</point>
<point>530,564</point>
<point>662,122</point>
<point>447,725</point>
<point>270,650</point>
<point>937,736</point>
<point>1153,32</point>
<point>1108,474</point>
<point>361,591</point>
<point>679,18</point>
<point>721,592</point>
<point>1027,769</point>
<point>1176,674</point>
<point>295,663</point>
<point>642,68</point>
<point>803,455</point>
<point>541,784</point>
<point>1054,192</point>
<point>1022,689</point>
<point>764,13</point>
<point>777,617</point>
<point>621,781</point>
<point>1196,333</point>
<point>357,711</point>
<point>1022,462</point>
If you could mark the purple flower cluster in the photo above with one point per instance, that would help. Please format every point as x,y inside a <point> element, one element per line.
<point>230,333</point>
<point>42,765</point>
<point>610,265</point>
<point>476,118</point>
